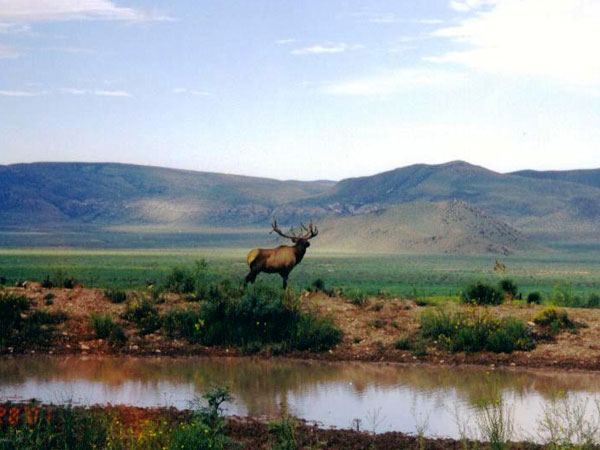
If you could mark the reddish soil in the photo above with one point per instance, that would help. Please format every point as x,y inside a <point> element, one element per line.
<point>369,332</point>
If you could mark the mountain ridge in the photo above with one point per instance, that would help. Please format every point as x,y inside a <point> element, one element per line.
<point>539,205</point>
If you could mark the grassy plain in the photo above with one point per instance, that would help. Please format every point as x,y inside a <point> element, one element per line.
<point>413,276</point>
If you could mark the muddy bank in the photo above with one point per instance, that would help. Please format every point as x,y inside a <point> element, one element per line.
<point>370,332</point>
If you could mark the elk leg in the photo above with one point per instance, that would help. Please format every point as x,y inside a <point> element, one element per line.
<point>250,277</point>
<point>285,277</point>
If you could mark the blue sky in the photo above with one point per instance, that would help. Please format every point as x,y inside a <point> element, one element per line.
<point>303,90</point>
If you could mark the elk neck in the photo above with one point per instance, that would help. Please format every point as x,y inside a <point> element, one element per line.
<point>299,251</point>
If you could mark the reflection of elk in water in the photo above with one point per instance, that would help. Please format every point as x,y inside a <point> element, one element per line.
<point>282,259</point>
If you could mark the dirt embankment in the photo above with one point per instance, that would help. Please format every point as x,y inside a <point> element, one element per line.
<point>370,332</point>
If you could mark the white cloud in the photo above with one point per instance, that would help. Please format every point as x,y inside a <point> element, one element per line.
<point>285,41</point>
<point>469,5</point>
<point>389,18</point>
<point>329,48</point>
<point>9,93</point>
<point>192,92</point>
<point>556,39</point>
<point>57,10</point>
<point>392,82</point>
<point>73,91</point>
<point>112,93</point>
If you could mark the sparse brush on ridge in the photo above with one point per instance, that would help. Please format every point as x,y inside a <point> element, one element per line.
<point>21,327</point>
<point>475,331</point>
<point>259,317</point>
<point>115,295</point>
<point>105,328</point>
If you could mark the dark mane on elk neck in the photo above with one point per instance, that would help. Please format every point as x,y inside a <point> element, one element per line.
<point>284,258</point>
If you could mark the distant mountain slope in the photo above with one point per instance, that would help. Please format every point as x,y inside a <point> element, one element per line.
<point>447,227</point>
<point>590,177</point>
<point>530,204</point>
<point>447,203</point>
<point>120,193</point>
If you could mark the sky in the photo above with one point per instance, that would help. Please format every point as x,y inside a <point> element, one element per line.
<point>302,90</point>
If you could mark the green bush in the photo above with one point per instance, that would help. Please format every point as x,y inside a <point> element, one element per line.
<point>509,288</point>
<point>102,325</point>
<point>261,316</point>
<point>357,297</point>
<point>556,319</point>
<point>144,314</point>
<point>475,331</point>
<point>284,434</point>
<point>403,343</point>
<point>115,295</point>
<point>12,307</point>
<point>534,297</point>
<point>316,334</point>
<point>21,327</point>
<point>183,280</point>
<point>180,281</point>
<point>482,294</point>
<point>593,301</point>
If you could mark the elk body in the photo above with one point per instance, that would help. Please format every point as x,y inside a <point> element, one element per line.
<point>282,259</point>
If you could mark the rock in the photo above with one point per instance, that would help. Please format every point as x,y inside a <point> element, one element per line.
<point>82,346</point>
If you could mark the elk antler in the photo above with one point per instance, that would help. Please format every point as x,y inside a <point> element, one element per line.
<point>310,231</point>
<point>276,229</point>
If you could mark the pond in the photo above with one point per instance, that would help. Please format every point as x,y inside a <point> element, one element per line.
<point>383,397</point>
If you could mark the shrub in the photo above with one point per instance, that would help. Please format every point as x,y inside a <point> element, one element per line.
<point>115,295</point>
<point>49,298</point>
<point>317,285</point>
<point>316,334</point>
<point>377,323</point>
<point>475,332</point>
<point>284,433</point>
<point>261,316</point>
<point>593,301</point>
<point>144,314</point>
<point>554,318</point>
<point>21,327</point>
<point>47,283</point>
<point>508,287</point>
<point>482,294</point>
<point>357,297</point>
<point>534,297</point>
<point>12,307</point>
<point>403,343</point>
<point>101,324</point>
<point>180,281</point>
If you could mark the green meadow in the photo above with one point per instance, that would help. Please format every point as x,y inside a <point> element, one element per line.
<point>574,269</point>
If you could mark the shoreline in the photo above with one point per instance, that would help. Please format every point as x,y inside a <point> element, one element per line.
<point>370,333</point>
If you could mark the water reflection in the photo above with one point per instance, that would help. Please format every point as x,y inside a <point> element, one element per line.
<point>331,393</point>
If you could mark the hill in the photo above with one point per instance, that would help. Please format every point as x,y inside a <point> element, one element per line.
<point>110,194</point>
<point>590,177</point>
<point>453,207</point>
<point>446,227</point>
<point>537,206</point>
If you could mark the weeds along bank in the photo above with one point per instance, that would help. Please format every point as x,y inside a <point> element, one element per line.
<point>187,313</point>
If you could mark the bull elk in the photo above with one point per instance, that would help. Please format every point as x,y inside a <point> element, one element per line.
<point>284,258</point>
